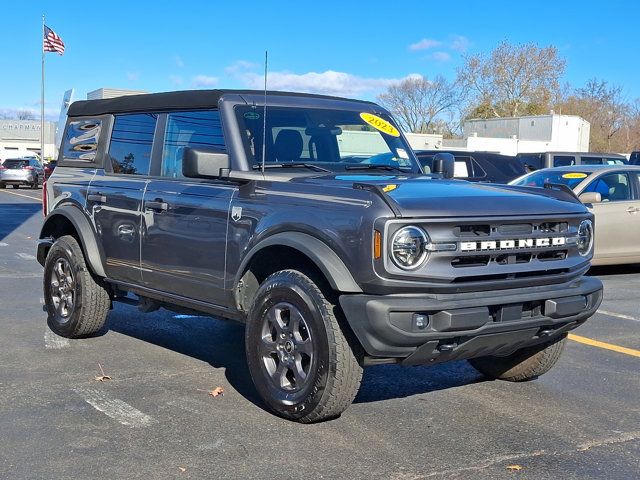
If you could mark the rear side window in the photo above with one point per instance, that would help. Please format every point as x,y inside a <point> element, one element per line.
<point>81,140</point>
<point>563,160</point>
<point>131,141</point>
<point>532,162</point>
<point>591,160</point>
<point>189,129</point>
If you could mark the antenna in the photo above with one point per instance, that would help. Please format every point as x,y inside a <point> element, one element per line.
<point>264,114</point>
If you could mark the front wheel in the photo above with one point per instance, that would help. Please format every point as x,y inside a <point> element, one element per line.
<point>300,360</point>
<point>77,304</point>
<point>524,364</point>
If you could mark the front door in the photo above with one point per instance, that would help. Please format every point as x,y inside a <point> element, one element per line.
<point>184,225</point>
<point>617,216</point>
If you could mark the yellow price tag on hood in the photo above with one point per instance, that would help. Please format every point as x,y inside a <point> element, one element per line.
<point>574,175</point>
<point>380,124</point>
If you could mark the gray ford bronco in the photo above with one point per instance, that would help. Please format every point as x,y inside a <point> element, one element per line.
<point>308,219</point>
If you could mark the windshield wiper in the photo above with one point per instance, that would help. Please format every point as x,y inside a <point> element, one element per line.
<point>310,166</point>
<point>389,168</point>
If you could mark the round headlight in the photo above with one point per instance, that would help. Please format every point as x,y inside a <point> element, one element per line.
<point>585,237</point>
<point>408,247</point>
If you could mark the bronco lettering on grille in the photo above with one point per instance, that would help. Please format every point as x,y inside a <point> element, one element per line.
<point>489,245</point>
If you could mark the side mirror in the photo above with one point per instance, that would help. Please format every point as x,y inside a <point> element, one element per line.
<point>590,197</point>
<point>444,164</point>
<point>205,162</point>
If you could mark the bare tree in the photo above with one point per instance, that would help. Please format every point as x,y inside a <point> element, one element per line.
<point>24,115</point>
<point>417,103</point>
<point>604,107</point>
<point>512,80</point>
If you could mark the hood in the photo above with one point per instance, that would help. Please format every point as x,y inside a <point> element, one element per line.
<point>425,196</point>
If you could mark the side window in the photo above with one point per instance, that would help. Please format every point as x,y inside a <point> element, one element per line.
<point>189,129</point>
<point>563,160</point>
<point>591,160</point>
<point>613,187</point>
<point>81,140</point>
<point>462,167</point>
<point>131,141</point>
<point>478,171</point>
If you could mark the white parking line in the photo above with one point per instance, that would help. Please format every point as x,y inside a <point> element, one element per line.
<point>26,256</point>
<point>22,195</point>
<point>2,244</point>
<point>53,341</point>
<point>618,315</point>
<point>115,408</point>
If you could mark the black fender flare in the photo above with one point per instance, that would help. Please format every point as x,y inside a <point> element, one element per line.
<point>329,263</point>
<point>94,255</point>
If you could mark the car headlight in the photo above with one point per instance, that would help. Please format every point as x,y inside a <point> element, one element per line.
<point>585,237</point>
<point>409,247</point>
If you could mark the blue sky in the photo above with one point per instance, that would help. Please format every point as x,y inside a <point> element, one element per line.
<point>343,48</point>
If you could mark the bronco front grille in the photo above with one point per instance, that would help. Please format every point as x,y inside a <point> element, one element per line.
<point>495,249</point>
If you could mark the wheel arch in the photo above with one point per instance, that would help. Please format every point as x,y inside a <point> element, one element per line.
<point>70,220</point>
<point>286,250</point>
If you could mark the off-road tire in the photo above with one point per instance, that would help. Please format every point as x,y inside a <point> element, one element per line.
<point>91,299</point>
<point>524,364</point>
<point>334,377</point>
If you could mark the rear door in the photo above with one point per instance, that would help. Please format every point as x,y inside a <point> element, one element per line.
<point>617,217</point>
<point>114,199</point>
<point>185,219</point>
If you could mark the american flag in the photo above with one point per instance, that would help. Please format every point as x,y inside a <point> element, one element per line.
<point>52,42</point>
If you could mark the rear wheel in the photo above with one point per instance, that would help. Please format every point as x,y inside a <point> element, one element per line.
<point>15,185</point>
<point>34,185</point>
<point>2,185</point>
<point>524,364</point>
<point>77,304</point>
<point>299,358</point>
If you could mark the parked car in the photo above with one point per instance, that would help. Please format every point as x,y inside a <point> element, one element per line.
<point>612,194</point>
<point>634,158</point>
<point>49,167</point>
<point>477,166</point>
<point>21,171</point>
<point>335,252</point>
<point>536,161</point>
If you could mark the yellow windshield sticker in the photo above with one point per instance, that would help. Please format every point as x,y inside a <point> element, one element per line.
<point>380,124</point>
<point>389,188</point>
<point>574,175</point>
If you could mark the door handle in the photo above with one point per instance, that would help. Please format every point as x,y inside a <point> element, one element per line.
<point>97,197</point>
<point>156,205</point>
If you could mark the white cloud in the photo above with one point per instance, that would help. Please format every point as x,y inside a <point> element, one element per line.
<point>238,67</point>
<point>329,82</point>
<point>176,80</point>
<point>424,44</point>
<point>441,56</point>
<point>200,81</point>
<point>460,43</point>
<point>178,61</point>
<point>133,76</point>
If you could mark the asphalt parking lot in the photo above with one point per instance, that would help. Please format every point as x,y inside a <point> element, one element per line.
<point>154,418</point>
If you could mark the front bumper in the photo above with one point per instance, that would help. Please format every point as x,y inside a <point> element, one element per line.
<point>425,328</point>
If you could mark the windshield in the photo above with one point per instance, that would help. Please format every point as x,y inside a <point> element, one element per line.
<point>336,140</point>
<point>540,177</point>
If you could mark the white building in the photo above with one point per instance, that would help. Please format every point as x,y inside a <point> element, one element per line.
<point>538,133</point>
<point>20,138</point>
<point>101,93</point>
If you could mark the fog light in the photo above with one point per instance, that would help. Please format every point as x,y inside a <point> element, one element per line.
<point>420,321</point>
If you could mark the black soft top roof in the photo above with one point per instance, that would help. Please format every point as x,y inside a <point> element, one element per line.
<point>191,99</point>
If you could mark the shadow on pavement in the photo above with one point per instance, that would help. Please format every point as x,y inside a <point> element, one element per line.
<point>614,270</point>
<point>13,215</point>
<point>221,344</point>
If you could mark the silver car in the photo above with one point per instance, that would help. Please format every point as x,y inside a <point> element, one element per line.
<point>612,194</point>
<point>21,171</point>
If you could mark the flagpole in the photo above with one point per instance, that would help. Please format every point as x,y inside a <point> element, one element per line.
<point>42,98</point>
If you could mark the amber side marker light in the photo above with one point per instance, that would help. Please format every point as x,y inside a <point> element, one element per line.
<point>377,244</point>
